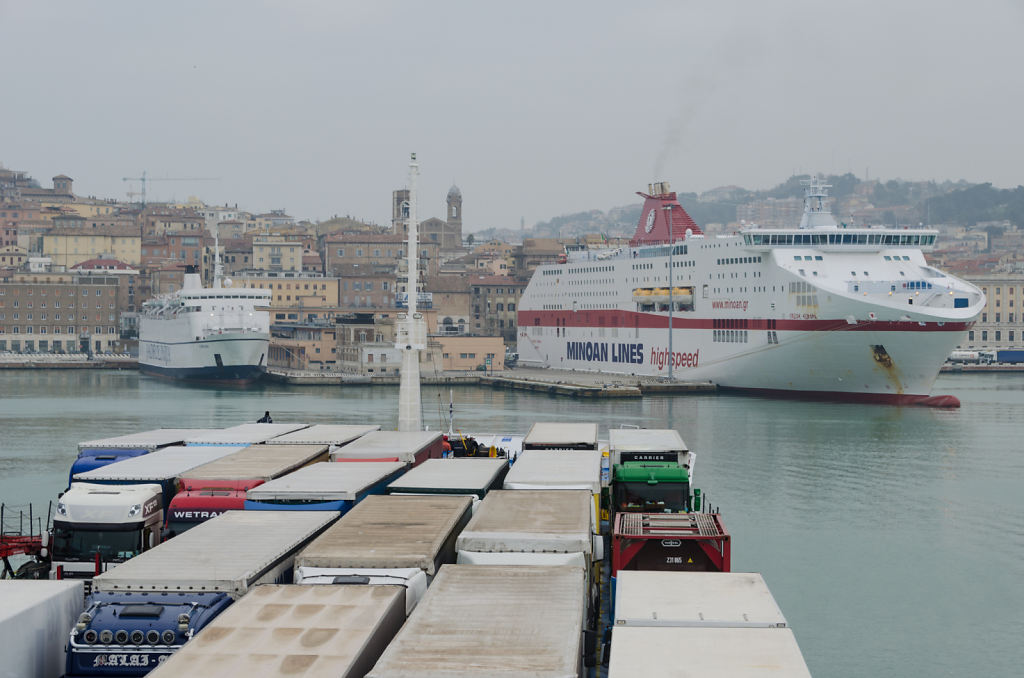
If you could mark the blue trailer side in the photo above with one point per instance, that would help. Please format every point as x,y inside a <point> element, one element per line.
<point>1010,355</point>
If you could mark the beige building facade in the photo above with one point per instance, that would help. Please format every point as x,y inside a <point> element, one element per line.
<point>1001,324</point>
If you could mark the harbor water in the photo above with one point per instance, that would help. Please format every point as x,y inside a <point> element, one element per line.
<point>892,538</point>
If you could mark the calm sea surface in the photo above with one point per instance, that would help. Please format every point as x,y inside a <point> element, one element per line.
<point>892,538</point>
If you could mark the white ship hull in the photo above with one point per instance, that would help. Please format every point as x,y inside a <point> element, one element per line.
<point>811,312</point>
<point>206,334</point>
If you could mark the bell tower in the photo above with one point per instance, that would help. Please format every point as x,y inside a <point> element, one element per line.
<point>453,217</point>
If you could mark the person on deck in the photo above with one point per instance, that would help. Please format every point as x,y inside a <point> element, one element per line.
<point>265,419</point>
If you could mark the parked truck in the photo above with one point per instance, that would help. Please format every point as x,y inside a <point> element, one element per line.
<point>546,435</point>
<point>290,630</point>
<point>409,447</point>
<point>220,485</point>
<point>652,471</point>
<point>145,609</point>
<point>335,435</point>
<point>515,621</point>
<point>387,540</point>
<point>112,513</point>
<point>564,470</point>
<point>324,486</point>
<point>93,454</point>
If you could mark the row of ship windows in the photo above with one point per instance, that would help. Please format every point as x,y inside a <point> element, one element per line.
<point>743,260</point>
<point>838,239</point>
<point>731,336</point>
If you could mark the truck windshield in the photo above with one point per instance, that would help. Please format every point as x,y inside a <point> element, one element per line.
<point>659,498</point>
<point>74,543</point>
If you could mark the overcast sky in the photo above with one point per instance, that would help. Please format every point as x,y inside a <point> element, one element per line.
<point>534,109</point>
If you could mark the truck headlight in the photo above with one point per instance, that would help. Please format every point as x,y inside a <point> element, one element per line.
<point>90,637</point>
<point>137,637</point>
<point>62,508</point>
<point>135,510</point>
<point>152,636</point>
<point>169,637</point>
<point>106,636</point>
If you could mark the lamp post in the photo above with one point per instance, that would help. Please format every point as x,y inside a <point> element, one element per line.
<point>671,303</point>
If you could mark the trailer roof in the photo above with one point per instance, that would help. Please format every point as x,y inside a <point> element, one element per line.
<point>384,531</point>
<point>162,464</point>
<point>294,630</point>
<point>645,440</point>
<point>402,444</point>
<point>258,461</point>
<point>226,553</point>
<point>729,599</point>
<point>560,435</point>
<point>561,470</point>
<point>326,481</point>
<point>326,434</point>
<point>146,439</point>
<point>709,653</point>
<point>22,595</point>
<point>530,520</point>
<point>492,620</point>
<point>244,434</point>
<point>464,475</point>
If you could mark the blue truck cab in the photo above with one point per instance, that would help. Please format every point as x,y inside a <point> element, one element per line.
<point>131,633</point>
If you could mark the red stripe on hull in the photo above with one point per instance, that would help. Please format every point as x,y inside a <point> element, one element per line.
<point>841,396</point>
<point>612,318</point>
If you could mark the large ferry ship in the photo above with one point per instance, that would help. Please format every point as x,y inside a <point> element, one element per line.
<point>821,310</point>
<point>217,334</point>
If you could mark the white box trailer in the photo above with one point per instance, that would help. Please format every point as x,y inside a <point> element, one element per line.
<point>564,470</point>
<point>165,467</point>
<point>144,440</point>
<point>230,553</point>
<point>293,630</point>
<point>387,539</point>
<point>478,621</point>
<point>648,444</point>
<point>547,435</point>
<point>337,435</point>
<point>532,527</point>
<point>465,476</point>
<point>681,652</point>
<point>244,434</point>
<point>409,447</point>
<point>705,599</point>
<point>34,622</point>
<point>326,485</point>
<point>259,462</point>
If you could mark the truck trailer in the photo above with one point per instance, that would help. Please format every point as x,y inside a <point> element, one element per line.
<point>521,620</point>
<point>335,435</point>
<point>564,470</point>
<point>140,602</point>
<point>96,453</point>
<point>408,447</point>
<point>387,540</point>
<point>292,630</point>
<point>546,435</point>
<point>324,486</point>
<point>34,622</point>
<point>219,486</point>
<point>244,434</point>
<point>462,477</point>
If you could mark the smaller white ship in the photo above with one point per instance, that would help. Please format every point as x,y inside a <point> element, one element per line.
<point>219,334</point>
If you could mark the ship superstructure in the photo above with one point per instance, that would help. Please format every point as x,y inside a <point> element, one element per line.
<point>818,310</point>
<point>216,334</point>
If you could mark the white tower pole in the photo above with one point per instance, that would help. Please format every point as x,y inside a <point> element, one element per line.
<point>412,335</point>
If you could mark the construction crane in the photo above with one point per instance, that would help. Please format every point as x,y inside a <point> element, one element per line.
<point>143,179</point>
